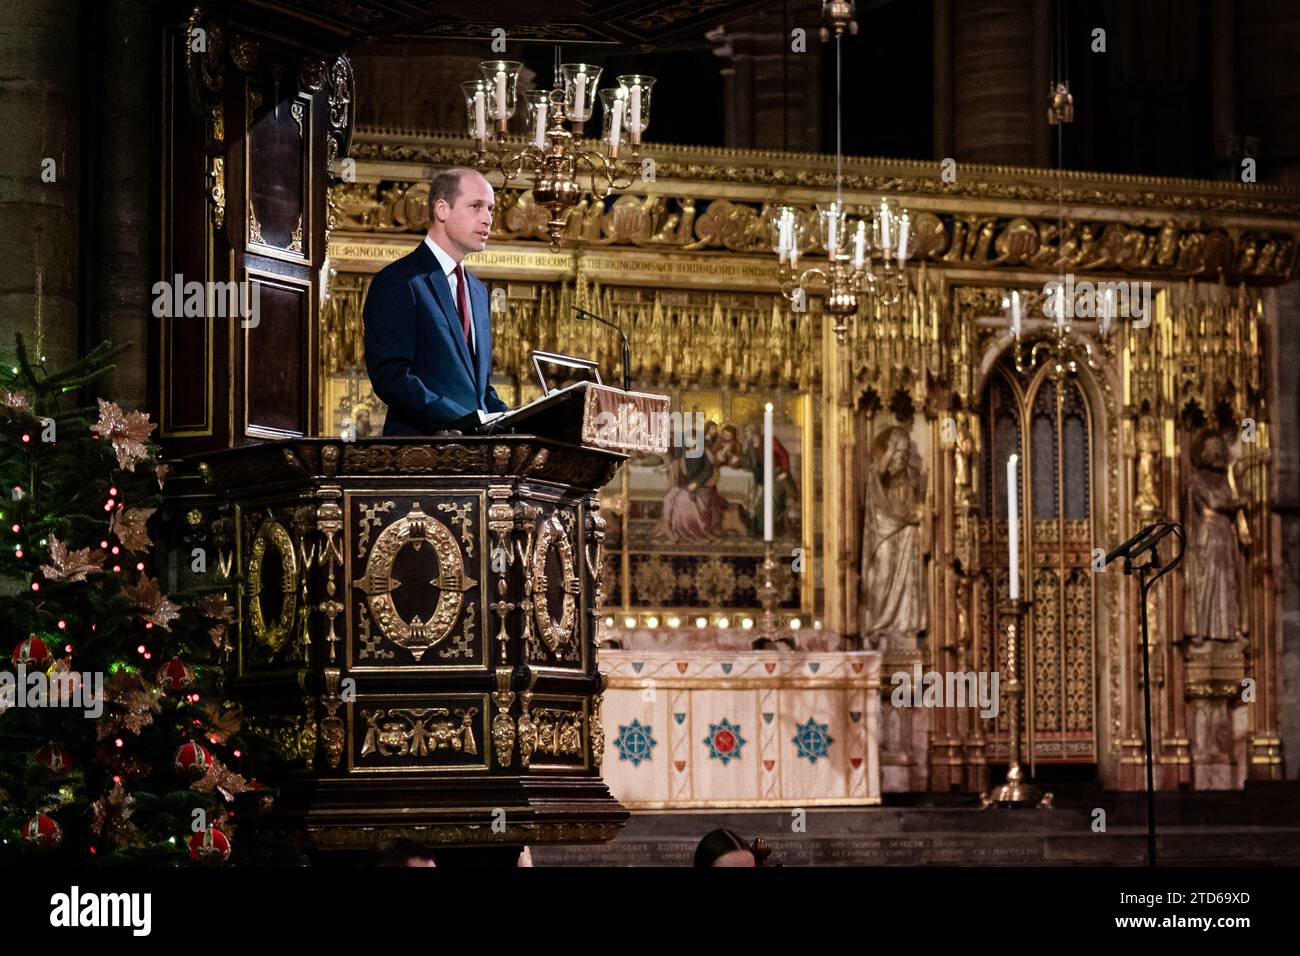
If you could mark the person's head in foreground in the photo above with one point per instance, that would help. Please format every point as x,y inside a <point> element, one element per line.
<point>402,852</point>
<point>724,848</point>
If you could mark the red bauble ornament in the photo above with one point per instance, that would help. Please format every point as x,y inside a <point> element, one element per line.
<point>175,674</point>
<point>55,758</point>
<point>193,760</point>
<point>210,846</point>
<point>42,831</point>
<point>32,652</point>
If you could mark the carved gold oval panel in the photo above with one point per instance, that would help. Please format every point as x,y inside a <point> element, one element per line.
<point>416,530</point>
<point>272,634</point>
<point>552,535</point>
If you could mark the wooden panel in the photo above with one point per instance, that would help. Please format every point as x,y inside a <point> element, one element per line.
<point>185,356</point>
<point>277,164</point>
<point>276,386</point>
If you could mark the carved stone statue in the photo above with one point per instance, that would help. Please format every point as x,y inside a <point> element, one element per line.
<point>1148,462</point>
<point>965,446</point>
<point>1212,583</point>
<point>893,598</point>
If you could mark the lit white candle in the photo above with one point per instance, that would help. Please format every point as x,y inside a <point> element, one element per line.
<point>784,236</point>
<point>860,246</point>
<point>501,94</point>
<point>1107,311</point>
<point>580,96</point>
<point>539,134</point>
<point>1015,312</point>
<point>635,123</point>
<point>616,121</point>
<point>902,241</point>
<point>831,220</point>
<point>1013,525</point>
<point>767,472</point>
<point>884,227</point>
<point>1060,304</point>
<point>480,116</point>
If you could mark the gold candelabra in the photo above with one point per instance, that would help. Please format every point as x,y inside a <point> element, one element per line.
<point>1062,348</point>
<point>847,272</point>
<point>769,636</point>
<point>1016,790</point>
<point>558,154</point>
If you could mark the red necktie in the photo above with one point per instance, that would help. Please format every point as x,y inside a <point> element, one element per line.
<point>462,304</point>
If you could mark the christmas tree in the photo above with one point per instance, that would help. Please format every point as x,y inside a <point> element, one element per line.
<point>115,742</point>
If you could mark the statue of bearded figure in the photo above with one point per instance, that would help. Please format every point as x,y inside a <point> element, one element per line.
<point>893,598</point>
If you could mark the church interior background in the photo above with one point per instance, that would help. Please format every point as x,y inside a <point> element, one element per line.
<point>296,149</point>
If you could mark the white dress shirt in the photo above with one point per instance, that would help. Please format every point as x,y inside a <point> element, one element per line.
<point>449,270</point>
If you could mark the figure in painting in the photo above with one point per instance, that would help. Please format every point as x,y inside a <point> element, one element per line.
<point>1212,595</point>
<point>893,592</point>
<point>692,508</point>
<point>785,498</point>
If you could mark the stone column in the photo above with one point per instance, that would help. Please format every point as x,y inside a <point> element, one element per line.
<point>1282,306</point>
<point>40,114</point>
<point>997,106</point>
<point>772,95</point>
<point>1266,74</point>
<point>125,117</point>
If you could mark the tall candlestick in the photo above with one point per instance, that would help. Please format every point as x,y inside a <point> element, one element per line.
<point>831,244</point>
<point>884,227</point>
<point>1015,312</point>
<point>501,94</point>
<point>480,117</point>
<point>1013,525</point>
<point>860,246</point>
<point>902,241</point>
<point>635,124</point>
<point>580,96</point>
<point>767,472</point>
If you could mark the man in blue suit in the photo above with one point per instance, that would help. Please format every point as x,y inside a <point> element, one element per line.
<point>427,319</point>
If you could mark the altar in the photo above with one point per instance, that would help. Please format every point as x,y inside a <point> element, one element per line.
<point>688,729</point>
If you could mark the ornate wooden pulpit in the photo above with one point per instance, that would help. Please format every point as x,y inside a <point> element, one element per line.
<point>417,623</point>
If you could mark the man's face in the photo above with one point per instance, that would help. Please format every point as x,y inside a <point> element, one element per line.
<point>468,220</point>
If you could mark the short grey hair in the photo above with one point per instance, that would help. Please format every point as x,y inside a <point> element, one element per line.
<point>446,185</point>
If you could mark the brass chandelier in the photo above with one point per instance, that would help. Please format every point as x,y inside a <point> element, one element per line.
<point>866,254</point>
<point>558,152</point>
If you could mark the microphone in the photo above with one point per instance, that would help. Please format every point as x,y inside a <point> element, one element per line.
<point>1150,543</point>
<point>1125,550</point>
<point>627,349</point>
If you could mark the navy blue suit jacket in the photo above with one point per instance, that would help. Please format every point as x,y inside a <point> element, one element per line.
<point>416,353</point>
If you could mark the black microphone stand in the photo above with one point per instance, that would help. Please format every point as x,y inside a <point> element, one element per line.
<point>627,348</point>
<point>1146,581</point>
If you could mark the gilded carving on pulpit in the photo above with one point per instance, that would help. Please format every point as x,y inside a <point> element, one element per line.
<point>1212,584</point>
<point>893,587</point>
